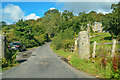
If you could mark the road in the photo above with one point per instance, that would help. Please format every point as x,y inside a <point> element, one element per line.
<point>44,63</point>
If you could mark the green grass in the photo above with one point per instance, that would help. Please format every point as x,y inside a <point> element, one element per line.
<point>101,38</point>
<point>91,68</point>
<point>62,53</point>
<point>87,65</point>
<point>8,67</point>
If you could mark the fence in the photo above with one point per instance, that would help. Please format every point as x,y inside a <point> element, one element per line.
<point>113,50</point>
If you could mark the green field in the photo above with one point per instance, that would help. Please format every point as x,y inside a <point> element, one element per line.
<point>101,38</point>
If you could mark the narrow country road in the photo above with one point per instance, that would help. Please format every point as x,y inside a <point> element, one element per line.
<point>44,64</point>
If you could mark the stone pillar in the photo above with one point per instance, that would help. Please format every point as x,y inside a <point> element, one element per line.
<point>2,46</point>
<point>84,45</point>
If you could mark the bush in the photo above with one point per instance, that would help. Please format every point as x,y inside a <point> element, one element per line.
<point>63,40</point>
<point>10,59</point>
<point>67,44</point>
<point>116,67</point>
<point>30,43</point>
<point>41,38</point>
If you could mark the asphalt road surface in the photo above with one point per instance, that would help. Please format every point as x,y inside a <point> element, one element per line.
<point>44,63</point>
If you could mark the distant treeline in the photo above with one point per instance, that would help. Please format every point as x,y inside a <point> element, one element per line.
<point>60,27</point>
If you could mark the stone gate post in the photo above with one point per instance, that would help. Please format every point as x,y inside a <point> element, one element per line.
<point>84,45</point>
<point>2,46</point>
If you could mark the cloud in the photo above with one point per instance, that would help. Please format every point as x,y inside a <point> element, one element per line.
<point>31,16</point>
<point>103,12</point>
<point>77,7</point>
<point>12,13</point>
<point>52,8</point>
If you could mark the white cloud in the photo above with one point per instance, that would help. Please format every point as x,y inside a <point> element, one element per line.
<point>31,16</point>
<point>104,12</point>
<point>12,13</point>
<point>78,7</point>
<point>52,8</point>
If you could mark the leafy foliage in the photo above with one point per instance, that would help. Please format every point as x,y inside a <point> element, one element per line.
<point>63,40</point>
<point>111,21</point>
<point>10,59</point>
<point>62,28</point>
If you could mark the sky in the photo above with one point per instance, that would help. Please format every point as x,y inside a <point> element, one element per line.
<point>13,10</point>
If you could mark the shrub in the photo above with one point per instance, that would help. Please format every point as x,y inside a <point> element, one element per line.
<point>63,40</point>
<point>10,59</point>
<point>116,67</point>
<point>67,44</point>
<point>41,38</point>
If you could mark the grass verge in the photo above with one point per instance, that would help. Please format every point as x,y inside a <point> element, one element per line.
<point>92,66</point>
<point>11,66</point>
<point>88,66</point>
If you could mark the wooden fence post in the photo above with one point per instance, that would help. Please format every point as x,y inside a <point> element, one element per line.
<point>94,48</point>
<point>76,45</point>
<point>113,48</point>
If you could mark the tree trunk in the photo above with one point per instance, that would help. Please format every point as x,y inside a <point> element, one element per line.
<point>118,37</point>
<point>49,35</point>
<point>112,35</point>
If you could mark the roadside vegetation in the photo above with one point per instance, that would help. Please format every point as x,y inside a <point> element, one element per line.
<point>102,65</point>
<point>10,60</point>
<point>62,29</point>
<point>91,66</point>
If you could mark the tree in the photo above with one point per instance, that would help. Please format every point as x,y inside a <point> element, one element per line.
<point>115,22</point>
<point>66,15</point>
<point>111,21</point>
<point>107,24</point>
<point>2,24</point>
<point>51,11</point>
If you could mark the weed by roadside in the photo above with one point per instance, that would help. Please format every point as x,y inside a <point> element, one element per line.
<point>91,66</point>
<point>10,60</point>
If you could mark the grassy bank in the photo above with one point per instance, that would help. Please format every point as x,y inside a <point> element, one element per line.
<point>88,66</point>
<point>92,66</point>
<point>101,37</point>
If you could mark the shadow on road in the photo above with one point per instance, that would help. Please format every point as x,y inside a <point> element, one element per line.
<point>64,59</point>
<point>21,61</point>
